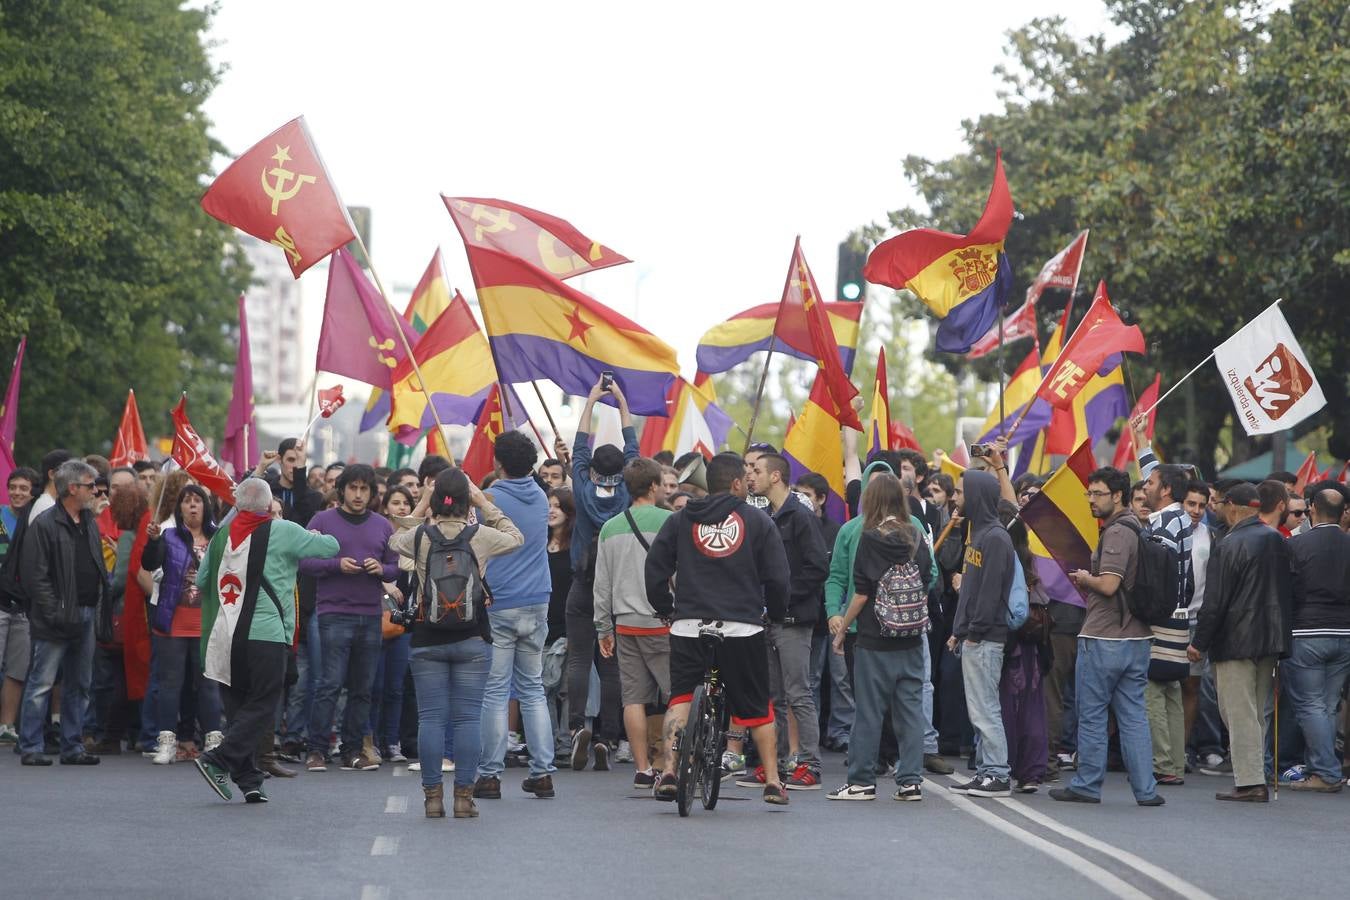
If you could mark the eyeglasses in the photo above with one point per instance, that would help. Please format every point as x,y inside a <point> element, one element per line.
<point>1298,512</point>
<point>100,492</point>
<point>1091,494</point>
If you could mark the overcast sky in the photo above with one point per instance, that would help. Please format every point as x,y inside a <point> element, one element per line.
<point>696,141</point>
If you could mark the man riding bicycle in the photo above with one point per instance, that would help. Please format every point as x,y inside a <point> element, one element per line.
<point>730,568</point>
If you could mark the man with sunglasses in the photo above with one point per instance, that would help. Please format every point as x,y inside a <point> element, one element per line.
<point>64,579</point>
<point>1295,516</point>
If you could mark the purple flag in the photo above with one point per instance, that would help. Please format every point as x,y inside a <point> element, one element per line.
<point>9,419</point>
<point>358,338</point>
<point>237,449</point>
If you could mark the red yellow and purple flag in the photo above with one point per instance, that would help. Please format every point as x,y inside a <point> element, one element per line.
<point>964,279</point>
<point>812,445</point>
<point>539,327</point>
<point>280,192</point>
<point>1060,517</point>
<point>457,372</point>
<point>879,425</point>
<point>730,343</point>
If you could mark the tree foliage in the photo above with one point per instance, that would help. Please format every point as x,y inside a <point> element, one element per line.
<point>1209,153</point>
<point>107,262</point>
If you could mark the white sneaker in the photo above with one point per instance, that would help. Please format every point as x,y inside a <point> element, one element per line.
<point>624,754</point>
<point>414,766</point>
<point>213,740</point>
<point>396,753</point>
<point>1211,760</point>
<point>166,748</point>
<point>854,792</point>
<point>515,742</point>
<point>447,765</point>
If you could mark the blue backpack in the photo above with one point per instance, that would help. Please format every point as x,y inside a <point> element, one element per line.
<point>1018,604</point>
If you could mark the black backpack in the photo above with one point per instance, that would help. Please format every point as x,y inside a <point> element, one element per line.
<point>1157,590</point>
<point>452,596</point>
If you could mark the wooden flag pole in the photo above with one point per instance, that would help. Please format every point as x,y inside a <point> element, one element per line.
<point>245,446</point>
<point>403,339</point>
<point>951,521</point>
<point>1002,375</point>
<point>551,424</point>
<point>759,395</point>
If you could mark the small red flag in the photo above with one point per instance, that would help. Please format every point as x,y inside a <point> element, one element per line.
<point>189,451</point>
<point>129,446</point>
<point>280,192</point>
<point>478,459</point>
<point>331,400</point>
<point>804,325</point>
<point>902,438</point>
<point>1125,448</point>
<point>1307,474</point>
<point>1099,335</point>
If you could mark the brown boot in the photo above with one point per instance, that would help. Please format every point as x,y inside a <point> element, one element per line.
<point>435,801</point>
<point>464,807</point>
<point>1251,794</point>
<point>368,748</point>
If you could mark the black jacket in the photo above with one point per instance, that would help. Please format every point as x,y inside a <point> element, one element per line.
<point>47,572</point>
<point>1248,603</point>
<point>987,576</point>
<point>11,594</point>
<point>730,561</point>
<point>808,561</point>
<point>1321,560</point>
<point>306,500</point>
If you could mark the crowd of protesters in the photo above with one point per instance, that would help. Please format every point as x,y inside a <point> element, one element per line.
<point>921,635</point>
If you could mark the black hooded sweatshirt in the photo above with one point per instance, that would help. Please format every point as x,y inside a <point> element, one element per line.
<point>987,575</point>
<point>728,559</point>
<point>808,561</point>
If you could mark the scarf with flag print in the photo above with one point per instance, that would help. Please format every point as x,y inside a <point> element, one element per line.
<point>234,563</point>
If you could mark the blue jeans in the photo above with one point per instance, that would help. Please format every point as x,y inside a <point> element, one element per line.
<point>517,658</point>
<point>881,679</point>
<point>179,667</point>
<point>840,723</point>
<point>450,679</point>
<point>386,703</point>
<point>300,696</point>
<point>930,734</point>
<point>1315,675</point>
<point>74,660</point>
<point>349,646</point>
<point>981,670</point>
<point>1113,674</point>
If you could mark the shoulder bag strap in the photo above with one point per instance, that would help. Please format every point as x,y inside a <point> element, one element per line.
<point>637,532</point>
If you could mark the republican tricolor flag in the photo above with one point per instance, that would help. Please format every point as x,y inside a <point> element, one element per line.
<point>964,279</point>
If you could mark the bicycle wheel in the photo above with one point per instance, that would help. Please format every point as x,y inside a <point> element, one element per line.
<point>714,741</point>
<point>687,759</point>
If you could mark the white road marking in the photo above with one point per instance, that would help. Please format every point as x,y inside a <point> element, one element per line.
<point>1143,866</point>
<point>396,805</point>
<point>384,846</point>
<point>1088,869</point>
<point>400,770</point>
<point>374,892</point>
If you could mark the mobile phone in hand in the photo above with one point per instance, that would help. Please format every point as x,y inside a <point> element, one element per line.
<point>606,380</point>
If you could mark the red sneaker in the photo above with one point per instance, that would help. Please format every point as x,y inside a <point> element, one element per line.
<point>803,779</point>
<point>753,779</point>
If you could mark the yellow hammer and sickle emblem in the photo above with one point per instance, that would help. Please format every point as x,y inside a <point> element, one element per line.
<point>277,189</point>
<point>287,243</point>
<point>555,263</point>
<point>487,220</point>
<point>384,345</point>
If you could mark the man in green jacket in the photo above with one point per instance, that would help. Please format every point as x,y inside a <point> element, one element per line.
<point>839,592</point>
<point>247,582</point>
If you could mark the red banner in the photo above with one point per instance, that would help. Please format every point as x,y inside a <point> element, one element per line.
<point>189,451</point>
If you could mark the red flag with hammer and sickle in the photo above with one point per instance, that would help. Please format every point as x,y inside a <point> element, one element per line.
<point>331,400</point>
<point>189,451</point>
<point>477,460</point>
<point>280,192</point>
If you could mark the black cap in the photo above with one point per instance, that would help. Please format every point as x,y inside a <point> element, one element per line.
<point>607,465</point>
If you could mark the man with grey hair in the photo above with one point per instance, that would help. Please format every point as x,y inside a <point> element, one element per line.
<point>247,580</point>
<point>64,579</point>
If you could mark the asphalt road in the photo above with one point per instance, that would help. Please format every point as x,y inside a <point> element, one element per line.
<point>130,829</point>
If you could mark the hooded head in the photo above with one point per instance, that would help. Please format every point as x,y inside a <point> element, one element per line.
<point>877,466</point>
<point>980,506</point>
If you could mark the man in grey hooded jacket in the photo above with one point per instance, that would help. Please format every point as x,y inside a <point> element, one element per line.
<point>981,628</point>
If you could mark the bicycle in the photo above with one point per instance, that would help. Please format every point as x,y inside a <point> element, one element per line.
<point>699,745</point>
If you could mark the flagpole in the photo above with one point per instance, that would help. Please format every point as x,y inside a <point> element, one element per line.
<point>403,339</point>
<point>551,424</point>
<point>759,395</point>
<point>1002,375</point>
<point>245,446</point>
<point>1178,384</point>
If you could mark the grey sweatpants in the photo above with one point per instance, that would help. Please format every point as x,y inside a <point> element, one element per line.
<point>789,679</point>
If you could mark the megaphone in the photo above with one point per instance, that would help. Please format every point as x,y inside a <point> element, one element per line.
<point>696,473</point>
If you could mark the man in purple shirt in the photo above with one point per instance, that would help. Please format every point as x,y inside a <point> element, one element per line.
<point>348,592</point>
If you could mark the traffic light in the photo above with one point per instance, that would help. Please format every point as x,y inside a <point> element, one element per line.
<point>849,275</point>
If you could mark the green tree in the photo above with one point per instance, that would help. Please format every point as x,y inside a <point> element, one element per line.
<point>1209,153</point>
<point>107,261</point>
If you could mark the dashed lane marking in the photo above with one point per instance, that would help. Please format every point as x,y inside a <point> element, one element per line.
<point>384,846</point>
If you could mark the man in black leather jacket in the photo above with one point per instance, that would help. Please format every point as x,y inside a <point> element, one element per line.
<point>63,577</point>
<point>1244,626</point>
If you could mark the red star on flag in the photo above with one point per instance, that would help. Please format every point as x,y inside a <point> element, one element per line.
<point>579,325</point>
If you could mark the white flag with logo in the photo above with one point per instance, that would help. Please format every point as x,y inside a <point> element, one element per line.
<point>1269,378</point>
